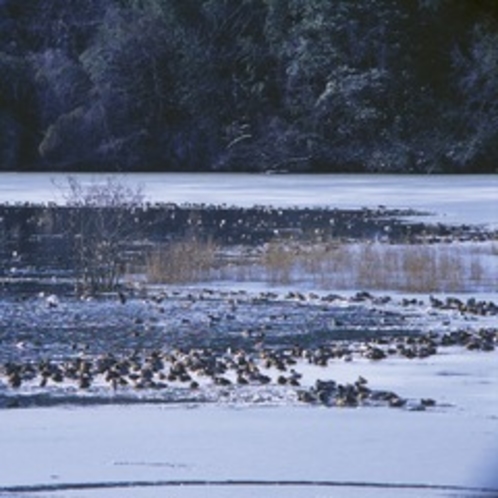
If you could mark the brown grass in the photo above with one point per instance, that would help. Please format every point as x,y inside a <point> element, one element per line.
<point>332,265</point>
<point>376,266</point>
<point>183,261</point>
<point>278,260</point>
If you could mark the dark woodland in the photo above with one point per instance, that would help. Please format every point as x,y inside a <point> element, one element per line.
<point>249,85</point>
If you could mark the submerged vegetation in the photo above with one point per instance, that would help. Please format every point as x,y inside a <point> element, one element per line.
<point>256,85</point>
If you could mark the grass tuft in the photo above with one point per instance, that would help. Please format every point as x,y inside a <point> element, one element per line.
<point>183,261</point>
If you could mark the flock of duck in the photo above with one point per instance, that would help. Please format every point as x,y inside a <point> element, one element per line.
<point>287,368</point>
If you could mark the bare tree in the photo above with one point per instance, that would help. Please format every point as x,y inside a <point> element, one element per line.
<point>101,223</point>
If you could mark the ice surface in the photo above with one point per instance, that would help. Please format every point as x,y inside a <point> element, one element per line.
<point>452,445</point>
<point>471,199</point>
<point>142,450</point>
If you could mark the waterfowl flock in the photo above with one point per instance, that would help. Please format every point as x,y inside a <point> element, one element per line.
<point>301,372</point>
<point>214,345</point>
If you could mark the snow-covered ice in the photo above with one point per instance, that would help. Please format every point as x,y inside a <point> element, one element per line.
<point>123,451</point>
<point>277,450</point>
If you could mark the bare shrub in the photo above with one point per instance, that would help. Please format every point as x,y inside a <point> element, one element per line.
<point>112,192</point>
<point>100,226</point>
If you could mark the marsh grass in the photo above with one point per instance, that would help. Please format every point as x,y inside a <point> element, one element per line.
<point>377,266</point>
<point>332,265</point>
<point>182,261</point>
<point>279,261</point>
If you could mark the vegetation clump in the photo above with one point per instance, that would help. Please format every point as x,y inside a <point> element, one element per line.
<point>100,228</point>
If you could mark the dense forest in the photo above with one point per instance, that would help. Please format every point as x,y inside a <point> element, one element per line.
<point>249,85</point>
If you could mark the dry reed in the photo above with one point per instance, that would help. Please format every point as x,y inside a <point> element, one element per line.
<point>376,266</point>
<point>183,261</point>
<point>332,265</point>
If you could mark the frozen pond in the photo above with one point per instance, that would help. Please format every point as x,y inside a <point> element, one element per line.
<point>274,446</point>
<point>459,199</point>
<point>272,451</point>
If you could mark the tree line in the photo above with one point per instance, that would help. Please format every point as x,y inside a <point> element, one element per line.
<point>249,85</point>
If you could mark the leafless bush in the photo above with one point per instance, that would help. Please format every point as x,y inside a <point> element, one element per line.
<point>100,225</point>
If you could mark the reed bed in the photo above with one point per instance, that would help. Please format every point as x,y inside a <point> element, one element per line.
<point>377,266</point>
<point>424,268</point>
<point>183,261</point>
